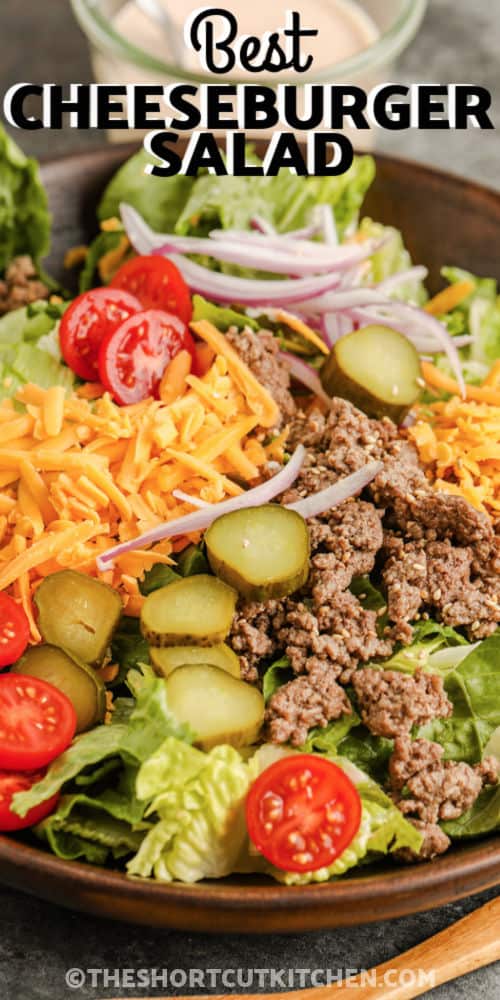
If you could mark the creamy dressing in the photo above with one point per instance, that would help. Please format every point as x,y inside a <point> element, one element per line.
<point>345,29</point>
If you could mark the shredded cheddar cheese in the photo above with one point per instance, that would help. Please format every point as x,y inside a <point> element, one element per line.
<point>459,443</point>
<point>78,473</point>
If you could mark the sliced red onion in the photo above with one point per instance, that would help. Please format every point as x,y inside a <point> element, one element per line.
<point>278,239</point>
<point>403,278</point>
<point>345,325</point>
<point>199,520</point>
<point>263,257</point>
<point>328,225</point>
<point>305,374</point>
<point>339,301</point>
<point>409,420</point>
<point>248,291</point>
<point>354,277</point>
<point>262,225</point>
<point>330,328</point>
<point>296,242</point>
<point>142,237</point>
<point>187,498</point>
<point>319,503</point>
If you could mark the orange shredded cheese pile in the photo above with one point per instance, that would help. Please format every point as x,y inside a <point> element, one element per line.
<point>460,447</point>
<point>79,474</point>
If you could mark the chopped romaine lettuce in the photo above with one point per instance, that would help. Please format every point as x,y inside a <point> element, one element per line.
<point>159,200</point>
<point>24,215</point>
<point>429,640</point>
<point>477,316</point>
<point>327,740</point>
<point>368,752</point>
<point>474,689</point>
<point>199,799</point>
<point>390,259</point>
<point>287,201</point>
<point>29,349</point>
<point>483,817</point>
<point>221,316</point>
<point>129,648</point>
<point>104,243</point>
<point>158,576</point>
<point>133,740</point>
<point>275,676</point>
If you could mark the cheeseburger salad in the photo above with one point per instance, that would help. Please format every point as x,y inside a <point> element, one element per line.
<point>249,522</point>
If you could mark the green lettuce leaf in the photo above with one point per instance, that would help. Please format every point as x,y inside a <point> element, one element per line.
<point>24,214</point>
<point>327,740</point>
<point>434,647</point>
<point>287,201</point>
<point>103,243</point>
<point>133,741</point>
<point>199,801</point>
<point>159,200</point>
<point>29,349</point>
<point>192,561</point>
<point>82,823</point>
<point>368,752</point>
<point>483,817</point>
<point>474,689</point>
<point>275,676</point>
<point>222,317</point>
<point>90,748</point>
<point>158,576</point>
<point>151,721</point>
<point>478,316</point>
<point>129,647</point>
<point>392,258</point>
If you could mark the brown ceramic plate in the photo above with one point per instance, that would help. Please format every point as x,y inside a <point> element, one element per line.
<point>444,220</point>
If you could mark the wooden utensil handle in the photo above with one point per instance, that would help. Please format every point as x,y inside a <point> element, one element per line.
<point>469,944</point>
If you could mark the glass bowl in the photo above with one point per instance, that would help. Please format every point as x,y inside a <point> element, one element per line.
<point>117,59</point>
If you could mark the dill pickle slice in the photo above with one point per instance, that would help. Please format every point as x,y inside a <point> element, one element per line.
<point>169,658</point>
<point>76,680</point>
<point>197,611</point>
<point>377,369</point>
<point>217,707</point>
<point>78,613</point>
<point>261,551</point>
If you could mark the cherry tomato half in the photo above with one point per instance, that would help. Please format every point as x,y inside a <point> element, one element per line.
<point>157,283</point>
<point>12,782</point>
<point>14,631</point>
<point>133,358</point>
<point>302,812</point>
<point>86,322</point>
<point>38,722</point>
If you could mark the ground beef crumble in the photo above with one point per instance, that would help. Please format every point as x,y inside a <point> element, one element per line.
<point>391,703</point>
<point>253,636</point>
<point>312,700</point>
<point>260,352</point>
<point>432,790</point>
<point>428,790</point>
<point>21,285</point>
<point>434,555</point>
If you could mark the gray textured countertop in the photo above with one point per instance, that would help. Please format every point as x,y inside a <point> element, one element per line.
<point>40,942</point>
